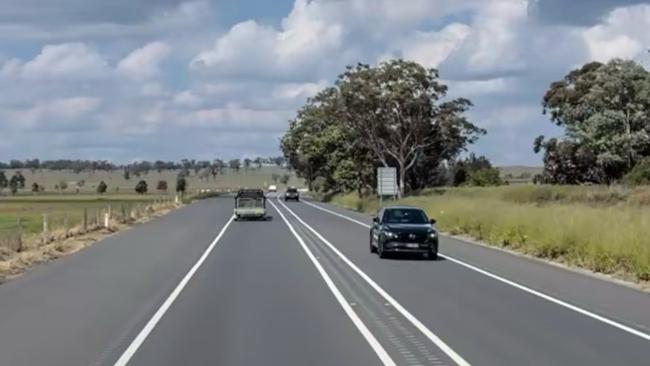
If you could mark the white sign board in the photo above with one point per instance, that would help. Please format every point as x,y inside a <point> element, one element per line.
<point>387,181</point>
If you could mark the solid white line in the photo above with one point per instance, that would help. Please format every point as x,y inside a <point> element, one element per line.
<point>151,324</point>
<point>421,327</point>
<point>519,286</point>
<point>370,338</point>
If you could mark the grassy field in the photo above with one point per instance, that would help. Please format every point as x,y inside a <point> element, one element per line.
<point>604,229</point>
<point>61,208</point>
<point>252,178</point>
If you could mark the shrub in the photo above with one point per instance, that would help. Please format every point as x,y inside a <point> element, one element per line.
<point>141,187</point>
<point>640,174</point>
<point>102,187</point>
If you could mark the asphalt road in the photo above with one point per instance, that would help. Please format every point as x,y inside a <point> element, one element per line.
<point>196,288</point>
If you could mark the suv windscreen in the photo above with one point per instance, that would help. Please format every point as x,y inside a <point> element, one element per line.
<point>292,190</point>
<point>405,216</point>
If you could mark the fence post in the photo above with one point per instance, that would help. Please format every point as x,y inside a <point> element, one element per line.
<point>97,216</point>
<point>44,229</point>
<point>106,219</point>
<point>66,226</point>
<point>19,235</point>
<point>85,223</point>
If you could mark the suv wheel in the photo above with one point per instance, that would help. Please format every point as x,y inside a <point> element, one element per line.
<point>380,251</point>
<point>372,247</point>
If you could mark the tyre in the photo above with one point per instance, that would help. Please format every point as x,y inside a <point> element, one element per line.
<point>372,247</point>
<point>381,252</point>
<point>432,255</point>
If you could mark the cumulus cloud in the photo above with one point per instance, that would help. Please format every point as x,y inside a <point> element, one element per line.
<point>623,34</point>
<point>150,70</point>
<point>60,111</point>
<point>61,61</point>
<point>145,62</point>
<point>304,41</point>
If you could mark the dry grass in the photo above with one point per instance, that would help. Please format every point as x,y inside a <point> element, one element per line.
<point>602,229</point>
<point>60,242</point>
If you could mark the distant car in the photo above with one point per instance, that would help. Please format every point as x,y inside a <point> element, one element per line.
<point>292,194</point>
<point>273,188</point>
<point>250,204</point>
<point>403,229</point>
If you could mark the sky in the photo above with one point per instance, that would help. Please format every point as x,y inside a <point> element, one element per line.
<point>128,80</point>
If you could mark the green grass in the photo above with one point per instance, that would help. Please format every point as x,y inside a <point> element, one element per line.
<point>59,208</point>
<point>599,228</point>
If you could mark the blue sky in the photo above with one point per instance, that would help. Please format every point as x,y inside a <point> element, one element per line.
<point>169,79</point>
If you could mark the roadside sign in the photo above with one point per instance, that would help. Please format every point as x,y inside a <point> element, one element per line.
<point>387,182</point>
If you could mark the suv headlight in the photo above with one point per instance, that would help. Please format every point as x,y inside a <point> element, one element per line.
<point>390,235</point>
<point>433,234</point>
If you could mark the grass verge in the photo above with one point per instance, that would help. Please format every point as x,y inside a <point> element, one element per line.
<point>602,229</point>
<point>34,248</point>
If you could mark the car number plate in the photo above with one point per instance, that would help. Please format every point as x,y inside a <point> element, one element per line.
<point>413,245</point>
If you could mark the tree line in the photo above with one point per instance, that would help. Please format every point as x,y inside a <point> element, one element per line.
<point>143,167</point>
<point>397,114</point>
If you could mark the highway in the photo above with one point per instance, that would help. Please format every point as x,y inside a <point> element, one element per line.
<point>197,288</point>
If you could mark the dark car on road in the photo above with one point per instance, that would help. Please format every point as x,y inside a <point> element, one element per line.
<point>403,229</point>
<point>292,194</point>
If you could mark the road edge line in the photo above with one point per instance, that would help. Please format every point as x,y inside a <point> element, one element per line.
<point>517,285</point>
<point>458,359</point>
<point>365,332</point>
<point>153,321</point>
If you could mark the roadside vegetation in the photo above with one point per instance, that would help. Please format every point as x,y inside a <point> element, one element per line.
<point>603,229</point>
<point>590,206</point>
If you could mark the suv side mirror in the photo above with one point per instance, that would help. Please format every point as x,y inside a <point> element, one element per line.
<point>433,221</point>
<point>375,220</point>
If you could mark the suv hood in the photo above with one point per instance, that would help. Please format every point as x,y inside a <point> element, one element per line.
<point>409,228</point>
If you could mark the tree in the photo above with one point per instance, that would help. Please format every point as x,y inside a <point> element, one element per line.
<point>13,185</point>
<point>162,186</point>
<point>395,108</point>
<point>181,184</point>
<point>3,180</point>
<point>284,179</point>
<point>235,164</point>
<point>141,187</point>
<point>390,115</point>
<point>102,187</point>
<point>63,185</point>
<point>247,163</point>
<point>604,110</point>
<point>127,174</point>
<point>35,187</point>
<point>258,162</point>
<point>275,177</point>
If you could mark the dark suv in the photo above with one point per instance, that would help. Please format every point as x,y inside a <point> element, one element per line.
<point>292,194</point>
<point>403,229</point>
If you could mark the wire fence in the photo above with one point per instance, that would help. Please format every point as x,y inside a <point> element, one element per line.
<point>35,231</point>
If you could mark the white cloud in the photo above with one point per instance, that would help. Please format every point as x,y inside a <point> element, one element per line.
<point>624,34</point>
<point>187,99</point>
<point>234,117</point>
<point>144,63</point>
<point>61,61</point>
<point>304,40</point>
<point>432,48</point>
<point>58,111</point>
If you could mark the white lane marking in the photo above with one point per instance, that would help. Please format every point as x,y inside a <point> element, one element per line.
<point>421,327</point>
<point>370,338</point>
<point>151,324</point>
<point>519,286</point>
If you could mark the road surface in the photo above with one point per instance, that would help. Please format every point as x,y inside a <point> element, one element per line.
<point>197,288</point>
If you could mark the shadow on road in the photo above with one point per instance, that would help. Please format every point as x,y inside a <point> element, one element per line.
<point>412,257</point>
